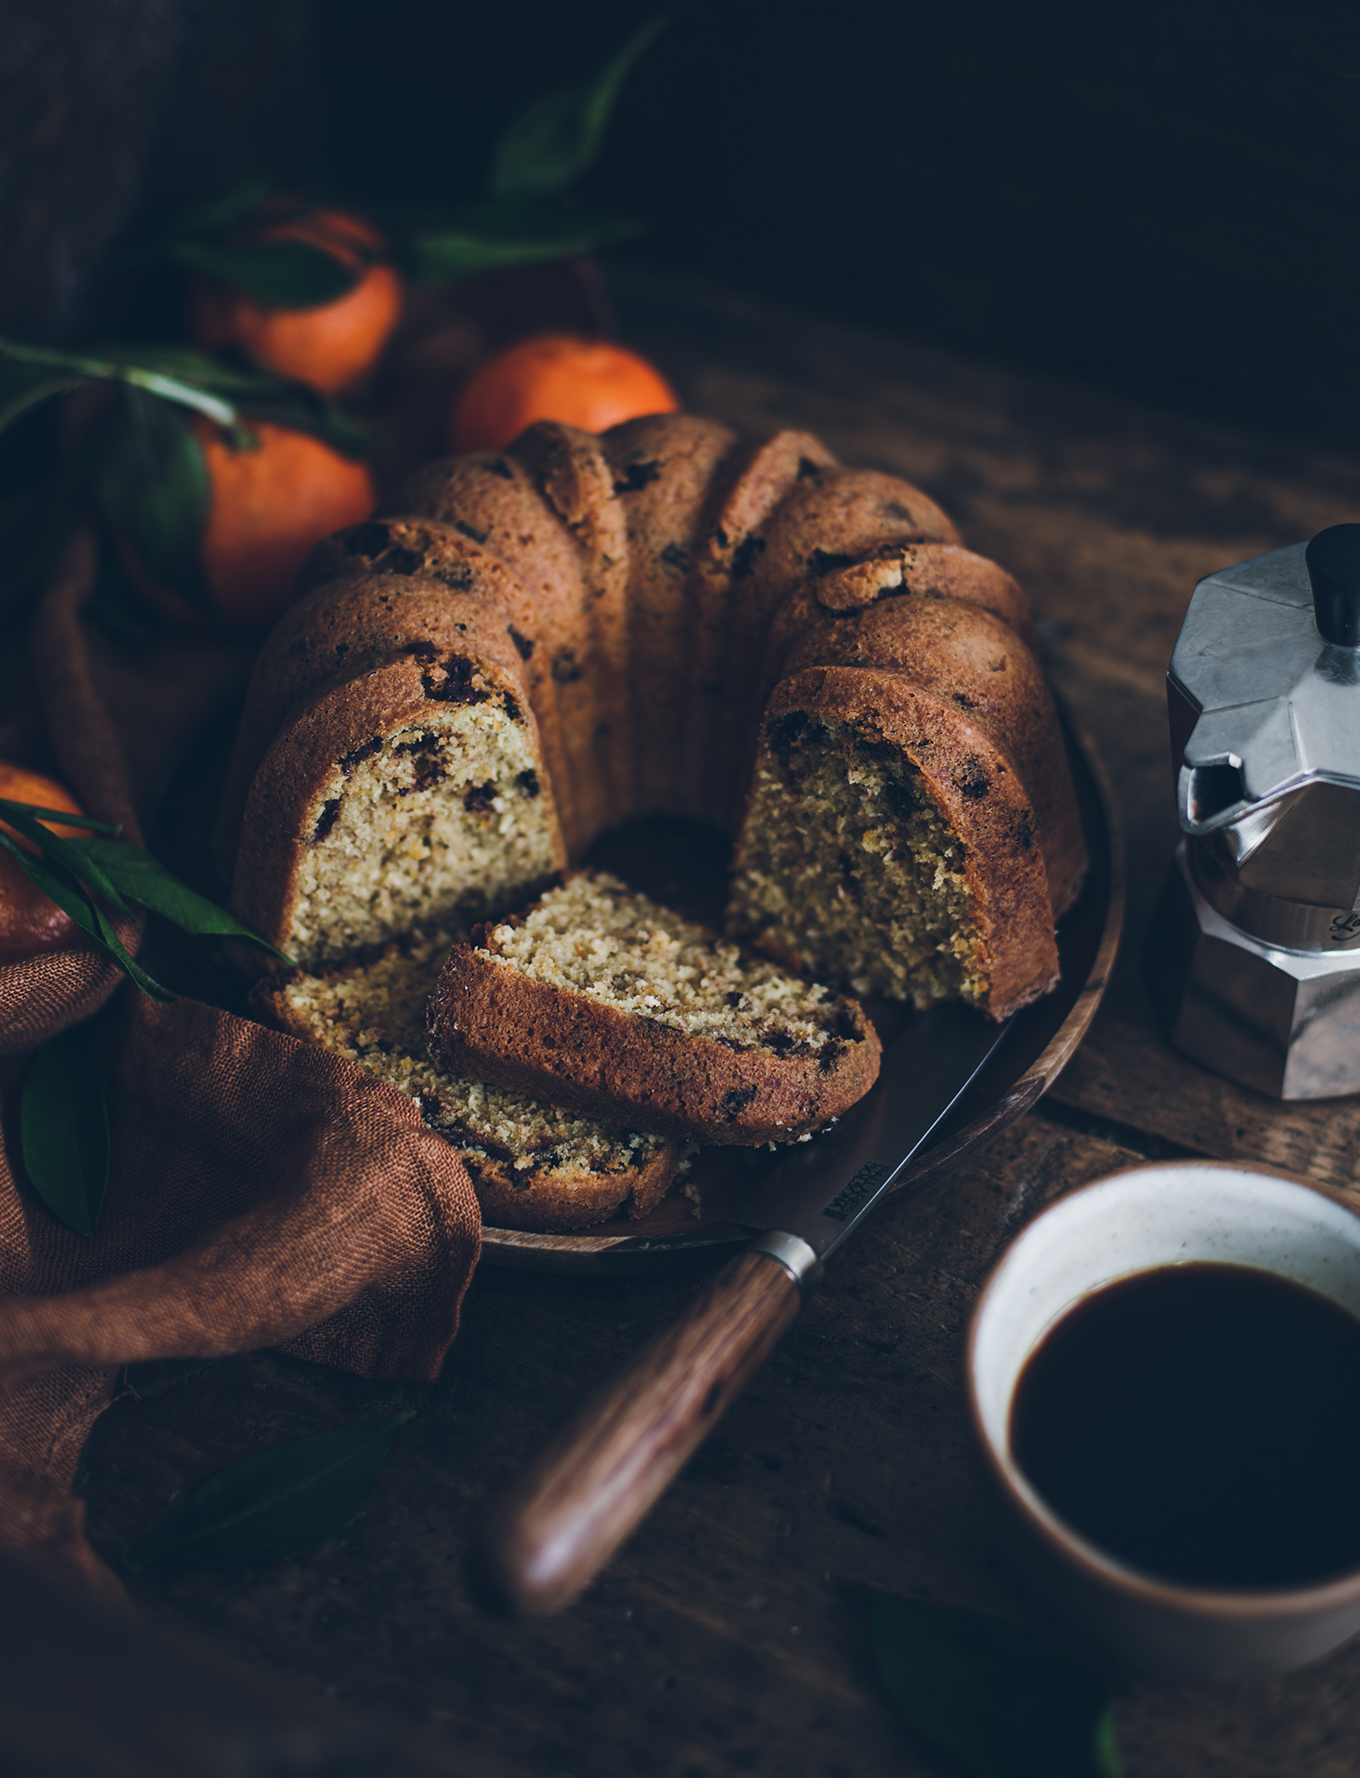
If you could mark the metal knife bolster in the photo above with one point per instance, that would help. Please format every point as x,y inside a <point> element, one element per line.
<point>823,1189</point>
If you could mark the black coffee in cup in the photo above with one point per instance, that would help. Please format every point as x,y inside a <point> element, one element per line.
<point>1201,1423</point>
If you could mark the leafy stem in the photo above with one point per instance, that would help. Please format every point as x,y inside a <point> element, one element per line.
<point>554,140</point>
<point>64,1129</point>
<point>84,875</point>
<point>279,1504</point>
<point>179,375</point>
<point>87,367</point>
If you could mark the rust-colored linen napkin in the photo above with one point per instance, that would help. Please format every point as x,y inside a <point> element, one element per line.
<point>262,1191</point>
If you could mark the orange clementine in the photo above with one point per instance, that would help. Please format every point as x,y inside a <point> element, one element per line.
<point>330,347</point>
<point>593,384</point>
<point>29,922</point>
<point>267,507</point>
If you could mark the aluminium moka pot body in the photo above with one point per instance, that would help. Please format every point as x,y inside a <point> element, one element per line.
<point>1253,954</point>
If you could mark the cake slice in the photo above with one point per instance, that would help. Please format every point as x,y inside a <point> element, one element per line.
<point>891,849</point>
<point>597,999</point>
<point>533,1166</point>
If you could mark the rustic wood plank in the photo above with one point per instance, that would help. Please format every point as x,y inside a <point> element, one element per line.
<point>1128,1074</point>
<point>86,1690</point>
<point>564,1517</point>
<point>728,1636</point>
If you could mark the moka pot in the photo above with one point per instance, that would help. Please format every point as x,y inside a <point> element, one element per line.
<point>1254,950</point>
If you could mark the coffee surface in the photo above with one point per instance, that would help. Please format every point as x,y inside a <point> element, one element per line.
<point>1201,1423</point>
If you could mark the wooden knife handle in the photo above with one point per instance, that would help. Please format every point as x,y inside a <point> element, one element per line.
<point>544,1540</point>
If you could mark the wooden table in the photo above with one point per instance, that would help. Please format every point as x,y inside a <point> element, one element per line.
<point>729,1637</point>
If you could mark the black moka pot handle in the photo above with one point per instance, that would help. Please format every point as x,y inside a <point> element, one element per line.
<point>1333,559</point>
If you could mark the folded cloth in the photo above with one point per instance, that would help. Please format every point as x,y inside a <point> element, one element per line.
<point>262,1191</point>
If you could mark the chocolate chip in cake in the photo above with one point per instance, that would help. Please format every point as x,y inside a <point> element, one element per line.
<point>637,476</point>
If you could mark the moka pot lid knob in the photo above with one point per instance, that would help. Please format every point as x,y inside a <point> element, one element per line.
<point>1333,561</point>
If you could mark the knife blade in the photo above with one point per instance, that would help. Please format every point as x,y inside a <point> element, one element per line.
<point>543,1540</point>
<point>823,1189</point>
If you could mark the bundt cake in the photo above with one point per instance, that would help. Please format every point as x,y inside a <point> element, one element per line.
<point>598,1000</point>
<point>536,645</point>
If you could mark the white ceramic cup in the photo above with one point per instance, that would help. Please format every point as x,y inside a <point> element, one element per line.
<point>1153,1216</point>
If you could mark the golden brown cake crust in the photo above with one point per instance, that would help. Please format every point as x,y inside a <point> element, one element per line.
<point>554,1202</point>
<point>928,570</point>
<point>828,516</point>
<point>550,1196</point>
<point>494,1023</point>
<point>495,503</point>
<point>654,581</point>
<point>645,600</point>
<point>365,615</point>
<point>761,476</point>
<point>573,478</point>
<point>986,671</point>
<point>975,786</point>
<point>664,469</point>
<point>460,658</point>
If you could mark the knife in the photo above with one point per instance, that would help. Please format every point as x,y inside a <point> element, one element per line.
<point>542,1541</point>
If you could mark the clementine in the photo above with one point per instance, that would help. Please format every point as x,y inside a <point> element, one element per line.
<point>267,507</point>
<point>330,347</point>
<point>29,923</point>
<point>593,384</point>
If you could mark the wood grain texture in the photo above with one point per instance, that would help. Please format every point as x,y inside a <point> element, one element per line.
<point>729,1637</point>
<point>85,1689</point>
<point>547,1538</point>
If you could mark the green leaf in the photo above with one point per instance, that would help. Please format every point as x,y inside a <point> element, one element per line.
<point>58,885</point>
<point>64,1129</point>
<point>188,365</point>
<point>114,868</point>
<point>128,963</point>
<point>237,205</point>
<point>505,232</point>
<point>67,816</point>
<point>222,240</point>
<point>279,1504</point>
<point>181,375</point>
<point>147,362</point>
<point>285,274</point>
<point>145,879</point>
<point>1001,1700</point>
<point>24,386</point>
<point>60,851</point>
<point>66,890</point>
<point>151,487</point>
<point>123,365</point>
<point>553,140</point>
<point>321,418</point>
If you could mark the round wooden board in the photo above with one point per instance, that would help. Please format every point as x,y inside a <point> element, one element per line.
<point>1034,1054</point>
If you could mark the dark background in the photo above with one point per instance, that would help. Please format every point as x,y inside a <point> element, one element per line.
<point>1161,198</point>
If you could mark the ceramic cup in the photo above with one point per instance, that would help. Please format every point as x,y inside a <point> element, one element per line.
<point>1151,1216</point>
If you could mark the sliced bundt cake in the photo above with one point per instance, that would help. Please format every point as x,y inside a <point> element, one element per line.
<point>594,629</point>
<point>533,1166</point>
<point>541,644</point>
<point>891,848</point>
<point>402,781</point>
<point>598,999</point>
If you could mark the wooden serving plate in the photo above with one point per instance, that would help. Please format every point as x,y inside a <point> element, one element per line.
<point>1035,1052</point>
